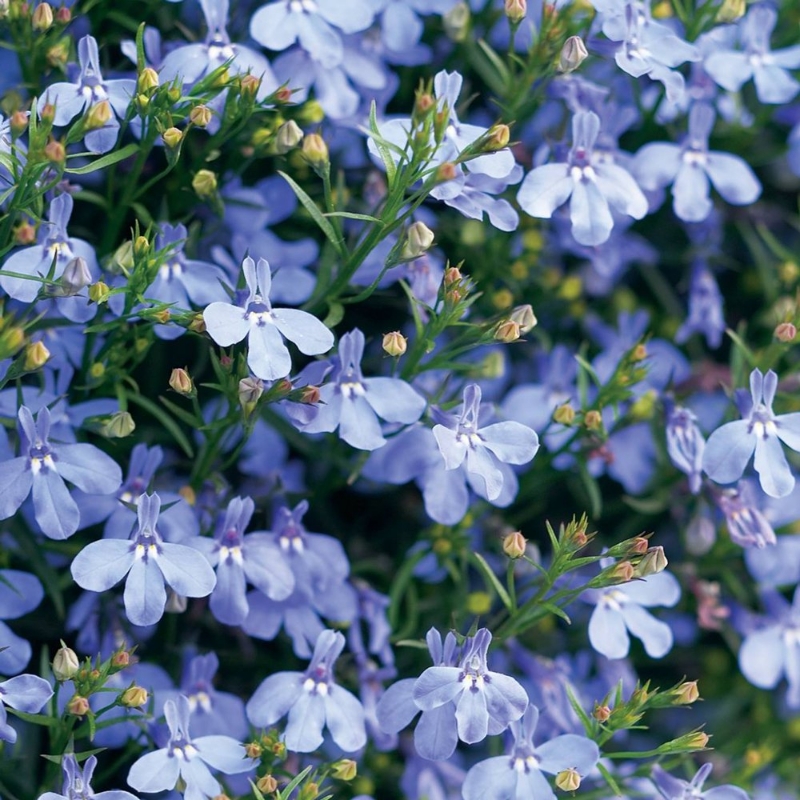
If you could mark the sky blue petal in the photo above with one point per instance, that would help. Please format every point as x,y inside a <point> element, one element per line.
<point>727,451</point>
<point>16,653</point>
<point>267,355</point>
<point>437,686</point>
<point>274,26</point>
<point>186,571</point>
<point>350,17</point>
<point>568,752</point>
<point>226,323</point>
<point>401,27</point>
<point>607,632</point>
<point>228,600</point>
<point>320,40</point>
<point>396,707</point>
<point>690,193</point>
<point>306,720</point>
<point>661,589</point>
<point>344,716</point>
<point>656,165</point>
<point>16,479</point>
<point>154,772</point>
<point>472,718</point>
<point>733,179</point>
<point>309,334</point>
<point>590,215</point>
<point>506,700</point>
<point>358,425</point>
<point>729,70</point>
<point>55,510</point>
<point>545,189</point>
<point>200,783</point>
<point>481,463</point>
<point>26,693</point>
<point>89,468</point>
<point>445,494</point>
<point>774,84</point>
<point>656,635</point>
<point>145,595</point>
<point>224,754</point>
<point>762,657</point>
<point>787,427</point>
<point>452,447</point>
<point>274,697</point>
<point>267,570</point>
<point>20,593</point>
<point>621,190</point>
<point>770,463</point>
<point>394,400</point>
<point>493,777</point>
<point>101,565</point>
<point>726,792</point>
<point>436,734</point>
<point>511,442</point>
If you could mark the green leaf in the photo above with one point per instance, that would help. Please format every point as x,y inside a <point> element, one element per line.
<point>317,216</point>
<point>496,61</point>
<point>294,783</point>
<point>335,315</point>
<point>592,489</point>
<point>105,161</point>
<point>78,756</point>
<point>36,719</point>
<point>612,784</point>
<point>351,215</point>
<point>493,580</point>
<point>382,146</point>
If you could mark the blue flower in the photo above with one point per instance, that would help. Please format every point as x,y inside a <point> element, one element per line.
<point>26,693</point>
<point>747,526</point>
<point>313,700</point>
<point>78,783</point>
<point>265,326</point>
<point>519,773</point>
<point>730,447</point>
<point>148,562</point>
<point>623,609</point>
<point>705,308</point>
<point>88,91</point>
<point>685,444</point>
<point>768,68</point>
<point>688,167</point>
<point>594,185</point>
<point>672,788</point>
<point>20,593</point>
<point>238,559</point>
<point>353,403</point>
<point>43,467</point>
<point>188,759</point>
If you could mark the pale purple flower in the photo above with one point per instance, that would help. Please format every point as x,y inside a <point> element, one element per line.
<point>264,327</point>
<point>685,444</point>
<point>672,788</point>
<point>20,593</point>
<point>26,693</point>
<point>78,783</point>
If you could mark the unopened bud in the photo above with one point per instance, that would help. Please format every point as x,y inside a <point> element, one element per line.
<point>525,318</point>
<point>172,137</point>
<point>204,183</point>
<point>593,420</point>
<point>731,11</point>
<point>163,316</point>
<point>24,234</point>
<point>639,353</point>
<point>514,545</point>
<point>250,390</point>
<point>638,546</point>
<point>54,152</point>
<point>564,414</point>
<point>456,22</point>
<point>36,356</point>
<point>253,750</point>
<point>47,113</point>
<point>180,382</point>
<point>99,292</point>
<point>148,80</point>
<point>573,54</point>
<point>19,123</point>
<point>58,54</point>
<point>785,332</point>
<point>200,116</point>
<point>419,239</point>
<point>134,697</point>
<point>653,562</point>
<point>394,343</point>
<point>345,769</point>
<point>424,102</point>
<point>99,115</point>
<point>315,150</point>
<point>601,713</point>
<point>289,135</point>
<point>308,791</point>
<point>63,15</point>
<point>497,137</point>
<point>568,780</point>
<point>516,10</point>
<point>621,572</point>
<point>75,278</point>
<point>65,663</point>
<point>283,95</point>
<point>507,331</point>
<point>119,425</point>
<point>310,395</point>
<point>11,339</point>
<point>42,17</point>
<point>453,276</point>
<point>250,84</point>
<point>267,784</point>
<point>198,324</point>
<point>78,706</point>
<point>121,659</point>
<point>446,172</point>
<point>686,694</point>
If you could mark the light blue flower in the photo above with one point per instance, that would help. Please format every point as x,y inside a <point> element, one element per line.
<point>760,431</point>
<point>26,693</point>
<point>685,444</point>
<point>672,788</point>
<point>20,593</point>
<point>78,783</point>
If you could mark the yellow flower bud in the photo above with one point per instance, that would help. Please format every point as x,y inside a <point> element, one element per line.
<point>497,137</point>
<point>653,561</point>
<point>573,54</point>
<point>568,780</point>
<point>200,116</point>
<point>78,706</point>
<point>507,331</point>
<point>456,22</point>
<point>42,17</point>
<point>345,769</point>
<point>65,663</point>
<point>172,137</point>
<point>514,545</point>
<point>98,115</point>
<point>180,382</point>
<point>516,10</point>
<point>134,697</point>
<point>290,134</point>
<point>419,239</point>
<point>267,784</point>
<point>564,414</point>
<point>394,344</point>
<point>204,183</point>
<point>119,425</point>
<point>147,80</point>
<point>253,750</point>
<point>99,292</point>
<point>479,603</point>
<point>686,694</point>
<point>315,150</point>
<point>601,713</point>
<point>54,152</point>
<point>593,420</point>
<point>36,356</point>
<point>731,10</point>
<point>525,318</point>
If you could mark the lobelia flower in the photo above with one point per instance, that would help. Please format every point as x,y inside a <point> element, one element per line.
<point>26,693</point>
<point>518,774</point>
<point>312,23</point>
<point>592,185</point>
<point>768,68</point>
<point>237,559</point>
<point>729,448</point>
<point>685,444</point>
<point>772,650</point>
<point>621,610</point>
<point>149,563</point>
<point>188,759</point>
<point>353,403</point>
<point>672,788</point>
<point>690,166</point>
<point>20,593</point>
<point>86,94</point>
<point>313,701</point>
<point>486,450</point>
<point>265,326</point>
<point>747,526</point>
<point>401,26</point>
<point>78,783</point>
<point>705,308</point>
<point>42,471</point>
<point>54,245</point>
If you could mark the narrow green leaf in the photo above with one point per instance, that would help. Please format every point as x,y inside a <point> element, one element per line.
<point>317,215</point>
<point>105,161</point>
<point>589,369</point>
<point>493,580</point>
<point>382,146</point>
<point>612,784</point>
<point>294,783</point>
<point>351,215</point>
